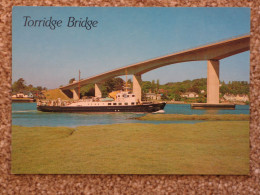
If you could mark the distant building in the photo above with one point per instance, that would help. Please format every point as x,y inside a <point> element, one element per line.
<point>162,91</point>
<point>239,97</point>
<point>190,95</point>
<point>153,96</point>
<point>23,94</point>
<point>28,94</point>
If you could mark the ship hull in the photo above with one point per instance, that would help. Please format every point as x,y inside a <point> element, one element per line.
<point>132,108</point>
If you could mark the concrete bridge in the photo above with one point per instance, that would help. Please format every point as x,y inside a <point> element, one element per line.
<point>213,53</point>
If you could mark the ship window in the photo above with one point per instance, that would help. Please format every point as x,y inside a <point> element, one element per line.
<point>109,104</point>
<point>119,104</point>
<point>114,103</point>
<point>126,103</point>
<point>133,95</point>
<point>132,103</point>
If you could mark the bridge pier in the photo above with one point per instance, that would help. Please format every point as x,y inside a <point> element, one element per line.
<point>98,92</point>
<point>137,87</point>
<point>213,82</point>
<point>213,90</point>
<point>76,95</point>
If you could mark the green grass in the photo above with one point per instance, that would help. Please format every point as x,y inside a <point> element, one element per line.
<point>201,148</point>
<point>209,117</point>
<point>54,94</point>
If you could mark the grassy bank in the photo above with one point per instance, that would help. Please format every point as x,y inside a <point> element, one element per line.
<point>202,148</point>
<point>55,94</point>
<point>210,117</point>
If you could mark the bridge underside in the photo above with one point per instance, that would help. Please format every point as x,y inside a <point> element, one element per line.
<point>213,53</point>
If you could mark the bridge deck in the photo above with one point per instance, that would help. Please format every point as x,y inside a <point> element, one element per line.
<point>213,51</point>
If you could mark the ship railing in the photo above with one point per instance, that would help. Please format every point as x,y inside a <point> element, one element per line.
<point>60,102</point>
<point>57,102</point>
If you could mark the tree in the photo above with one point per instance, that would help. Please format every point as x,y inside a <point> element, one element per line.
<point>224,89</point>
<point>19,85</point>
<point>130,83</point>
<point>72,80</point>
<point>164,97</point>
<point>114,84</point>
<point>146,86</point>
<point>181,88</point>
<point>153,87</point>
<point>195,89</point>
<point>87,90</point>
<point>118,84</point>
<point>157,85</point>
<point>39,88</point>
<point>177,97</point>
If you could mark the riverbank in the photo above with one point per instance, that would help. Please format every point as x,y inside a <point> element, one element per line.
<point>190,102</point>
<point>23,100</point>
<point>201,148</point>
<point>209,117</point>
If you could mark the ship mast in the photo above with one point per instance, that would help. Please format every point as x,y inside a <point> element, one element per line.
<point>79,85</point>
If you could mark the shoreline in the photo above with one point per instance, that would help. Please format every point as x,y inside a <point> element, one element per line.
<point>203,117</point>
<point>167,117</point>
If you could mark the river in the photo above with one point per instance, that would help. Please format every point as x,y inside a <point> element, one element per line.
<point>26,114</point>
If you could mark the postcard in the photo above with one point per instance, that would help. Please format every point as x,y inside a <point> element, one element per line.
<point>109,90</point>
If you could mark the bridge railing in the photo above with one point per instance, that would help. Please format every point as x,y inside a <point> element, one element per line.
<point>194,47</point>
<point>212,42</point>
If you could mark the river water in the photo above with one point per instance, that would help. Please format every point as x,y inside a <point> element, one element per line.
<point>26,114</point>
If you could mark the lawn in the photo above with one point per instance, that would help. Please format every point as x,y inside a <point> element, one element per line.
<point>215,147</point>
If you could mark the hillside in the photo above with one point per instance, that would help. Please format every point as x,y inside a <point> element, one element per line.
<point>54,94</point>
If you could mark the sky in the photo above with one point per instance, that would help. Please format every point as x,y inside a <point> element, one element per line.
<point>122,36</point>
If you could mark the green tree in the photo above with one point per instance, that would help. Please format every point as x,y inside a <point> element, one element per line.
<point>39,88</point>
<point>146,86</point>
<point>157,85</point>
<point>118,84</point>
<point>114,84</point>
<point>177,97</point>
<point>153,86</point>
<point>87,90</point>
<point>223,89</point>
<point>164,97</point>
<point>181,89</point>
<point>19,85</point>
<point>72,80</point>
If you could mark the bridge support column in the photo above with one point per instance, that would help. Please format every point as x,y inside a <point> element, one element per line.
<point>76,95</point>
<point>98,92</point>
<point>137,89</point>
<point>213,82</point>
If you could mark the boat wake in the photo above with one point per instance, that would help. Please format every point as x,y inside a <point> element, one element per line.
<point>159,112</point>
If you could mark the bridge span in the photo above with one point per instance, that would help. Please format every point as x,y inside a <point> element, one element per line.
<point>213,53</point>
